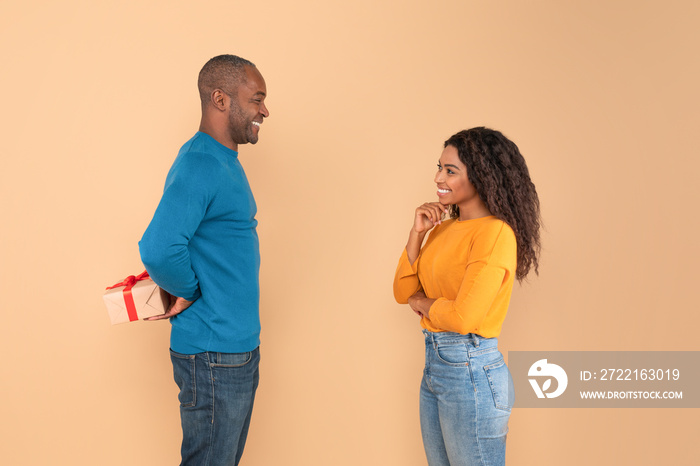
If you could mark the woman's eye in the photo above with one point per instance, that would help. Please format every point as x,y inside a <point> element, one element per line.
<point>449,172</point>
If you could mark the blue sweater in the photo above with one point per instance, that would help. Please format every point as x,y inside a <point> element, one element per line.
<point>202,245</point>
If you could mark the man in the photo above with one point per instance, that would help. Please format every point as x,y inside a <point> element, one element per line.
<point>202,248</point>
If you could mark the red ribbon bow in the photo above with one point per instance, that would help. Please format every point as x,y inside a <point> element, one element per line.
<point>129,283</point>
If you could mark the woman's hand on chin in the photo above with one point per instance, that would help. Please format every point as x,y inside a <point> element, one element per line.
<point>428,215</point>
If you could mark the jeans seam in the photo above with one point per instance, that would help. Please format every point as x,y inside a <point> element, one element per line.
<point>477,436</point>
<point>479,352</point>
<point>471,373</point>
<point>193,364</point>
<point>210,443</point>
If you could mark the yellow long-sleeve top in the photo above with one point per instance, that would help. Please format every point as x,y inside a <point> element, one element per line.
<point>468,267</point>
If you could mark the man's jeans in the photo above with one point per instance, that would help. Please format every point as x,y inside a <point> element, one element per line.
<point>465,400</point>
<point>217,391</point>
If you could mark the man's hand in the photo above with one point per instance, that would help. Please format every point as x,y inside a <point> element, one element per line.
<point>177,305</point>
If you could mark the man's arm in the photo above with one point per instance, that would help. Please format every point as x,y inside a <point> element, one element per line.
<point>164,246</point>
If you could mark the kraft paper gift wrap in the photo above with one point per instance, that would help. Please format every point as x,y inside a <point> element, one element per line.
<point>135,298</point>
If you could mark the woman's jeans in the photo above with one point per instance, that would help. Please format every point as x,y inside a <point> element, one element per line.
<point>465,400</point>
<point>217,391</point>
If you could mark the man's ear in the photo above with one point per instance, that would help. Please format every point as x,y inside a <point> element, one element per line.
<point>220,100</point>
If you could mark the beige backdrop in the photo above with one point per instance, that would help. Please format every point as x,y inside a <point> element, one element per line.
<point>97,97</point>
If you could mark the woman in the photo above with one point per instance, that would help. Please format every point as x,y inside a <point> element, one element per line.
<point>460,284</point>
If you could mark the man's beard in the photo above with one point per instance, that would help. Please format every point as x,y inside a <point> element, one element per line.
<point>240,126</point>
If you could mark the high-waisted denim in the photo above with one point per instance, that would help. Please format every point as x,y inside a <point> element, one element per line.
<point>217,391</point>
<point>465,400</point>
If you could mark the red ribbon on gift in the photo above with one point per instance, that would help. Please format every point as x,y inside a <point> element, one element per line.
<point>129,283</point>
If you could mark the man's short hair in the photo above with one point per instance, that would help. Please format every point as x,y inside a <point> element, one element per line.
<point>223,72</point>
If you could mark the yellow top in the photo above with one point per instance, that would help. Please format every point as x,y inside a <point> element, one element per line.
<point>469,267</point>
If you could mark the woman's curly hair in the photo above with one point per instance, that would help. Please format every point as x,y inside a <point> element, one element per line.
<point>498,172</point>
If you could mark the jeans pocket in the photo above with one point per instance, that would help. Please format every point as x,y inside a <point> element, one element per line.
<point>501,383</point>
<point>184,374</point>
<point>452,353</point>
<point>232,359</point>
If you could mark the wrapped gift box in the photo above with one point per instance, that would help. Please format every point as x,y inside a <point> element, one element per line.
<point>137,297</point>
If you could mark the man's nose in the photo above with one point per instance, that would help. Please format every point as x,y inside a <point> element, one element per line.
<point>264,111</point>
